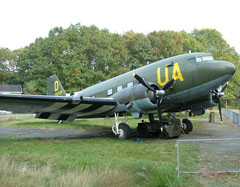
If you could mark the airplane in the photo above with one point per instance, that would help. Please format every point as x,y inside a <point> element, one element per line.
<point>190,82</point>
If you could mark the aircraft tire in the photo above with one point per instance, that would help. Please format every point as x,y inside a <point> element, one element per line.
<point>125,131</point>
<point>164,135</point>
<point>188,125</point>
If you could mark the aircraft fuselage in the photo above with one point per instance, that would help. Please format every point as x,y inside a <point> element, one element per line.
<point>195,75</point>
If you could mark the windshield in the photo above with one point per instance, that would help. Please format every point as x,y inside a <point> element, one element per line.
<point>201,59</point>
<point>204,58</point>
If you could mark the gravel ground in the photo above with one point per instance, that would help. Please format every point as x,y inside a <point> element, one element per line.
<point>51,133</point>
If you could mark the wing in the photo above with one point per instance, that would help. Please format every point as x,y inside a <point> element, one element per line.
<point>57,107</point>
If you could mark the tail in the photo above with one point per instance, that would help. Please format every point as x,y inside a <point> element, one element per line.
<point>54,86</point>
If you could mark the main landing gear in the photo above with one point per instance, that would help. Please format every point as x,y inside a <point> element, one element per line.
<point>171,127</point>
<point>121,130</point>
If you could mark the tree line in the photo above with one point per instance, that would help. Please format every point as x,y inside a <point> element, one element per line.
<point>82,56</point>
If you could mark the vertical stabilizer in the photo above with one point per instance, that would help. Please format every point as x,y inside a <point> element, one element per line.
<point>54,86</point>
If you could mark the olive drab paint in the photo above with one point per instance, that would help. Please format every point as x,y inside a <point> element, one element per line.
<point>54,86</point>
<point>176,74</point>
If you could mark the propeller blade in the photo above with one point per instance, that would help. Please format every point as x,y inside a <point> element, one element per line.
<point>220,109</point>
<point>158,97</point>
<point>224,86</point>
<point>159,111</point>
<point>143,82</point>
<point>168,84</point>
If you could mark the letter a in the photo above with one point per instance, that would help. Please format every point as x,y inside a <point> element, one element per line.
<point>177,72</point>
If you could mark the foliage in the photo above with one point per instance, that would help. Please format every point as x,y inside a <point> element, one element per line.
<point>7,64</point>
<point>82,56</point>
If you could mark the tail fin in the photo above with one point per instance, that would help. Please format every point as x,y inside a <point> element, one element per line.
<point>54,86</point>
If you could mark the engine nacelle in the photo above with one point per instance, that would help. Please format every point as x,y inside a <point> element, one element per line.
<point>141,106</point>
<point>133,93</point>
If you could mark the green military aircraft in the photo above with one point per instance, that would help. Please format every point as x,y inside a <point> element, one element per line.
<point>190,82</point>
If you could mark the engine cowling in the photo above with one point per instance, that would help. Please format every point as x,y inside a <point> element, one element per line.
<point>133,93</point>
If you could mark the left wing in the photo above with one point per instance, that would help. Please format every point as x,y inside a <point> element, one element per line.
<point>57,107</point>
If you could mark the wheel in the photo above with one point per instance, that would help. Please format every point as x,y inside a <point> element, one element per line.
<point>187,126</point>
<point>124,131</point>
<point>164,135</point>
<point>142,130</point>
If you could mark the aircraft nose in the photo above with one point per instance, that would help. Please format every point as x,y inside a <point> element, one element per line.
<point>226,68</point>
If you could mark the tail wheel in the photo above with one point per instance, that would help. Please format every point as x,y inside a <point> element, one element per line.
<point>124,131</point>
<point>187,126</point>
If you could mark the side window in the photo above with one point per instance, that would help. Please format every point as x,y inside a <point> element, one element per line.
<point>129,84</point>
<point>119,88</point>
<point>109,92</point>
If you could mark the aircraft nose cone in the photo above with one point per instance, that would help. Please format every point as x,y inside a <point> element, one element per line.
<point>227,68</point>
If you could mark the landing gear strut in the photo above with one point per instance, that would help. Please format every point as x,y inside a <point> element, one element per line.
<point>122,130</point>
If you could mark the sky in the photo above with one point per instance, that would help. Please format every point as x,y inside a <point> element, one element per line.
<point>21,22</point>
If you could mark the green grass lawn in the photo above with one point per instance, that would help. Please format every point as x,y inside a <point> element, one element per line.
<point>81,123</point>
<point>146,163</point>
<point>104,161</point>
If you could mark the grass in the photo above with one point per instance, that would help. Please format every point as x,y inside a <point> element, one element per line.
<point>138,164</point>
<point>104,161</point>
<point>13,174</point>
<point>41,123</point>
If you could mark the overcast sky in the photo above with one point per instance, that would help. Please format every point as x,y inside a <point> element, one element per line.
<point>22,21</point>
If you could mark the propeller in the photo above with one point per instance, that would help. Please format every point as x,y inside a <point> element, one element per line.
<point>158,93</point>
<point>218,94</point>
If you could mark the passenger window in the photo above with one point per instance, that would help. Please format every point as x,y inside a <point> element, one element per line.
<point>119,88</point>
<point>109,92</point>
<point>129,84</point>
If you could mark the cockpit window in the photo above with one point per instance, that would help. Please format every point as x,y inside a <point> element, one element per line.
<point>207,58</point>
<point>201,59</point>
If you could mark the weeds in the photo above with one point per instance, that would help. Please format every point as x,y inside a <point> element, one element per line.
<point>15,174</point>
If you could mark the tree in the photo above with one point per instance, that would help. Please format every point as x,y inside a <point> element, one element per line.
<point>139,48</point>
<point>170,43</point>
<point>7,64</point>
